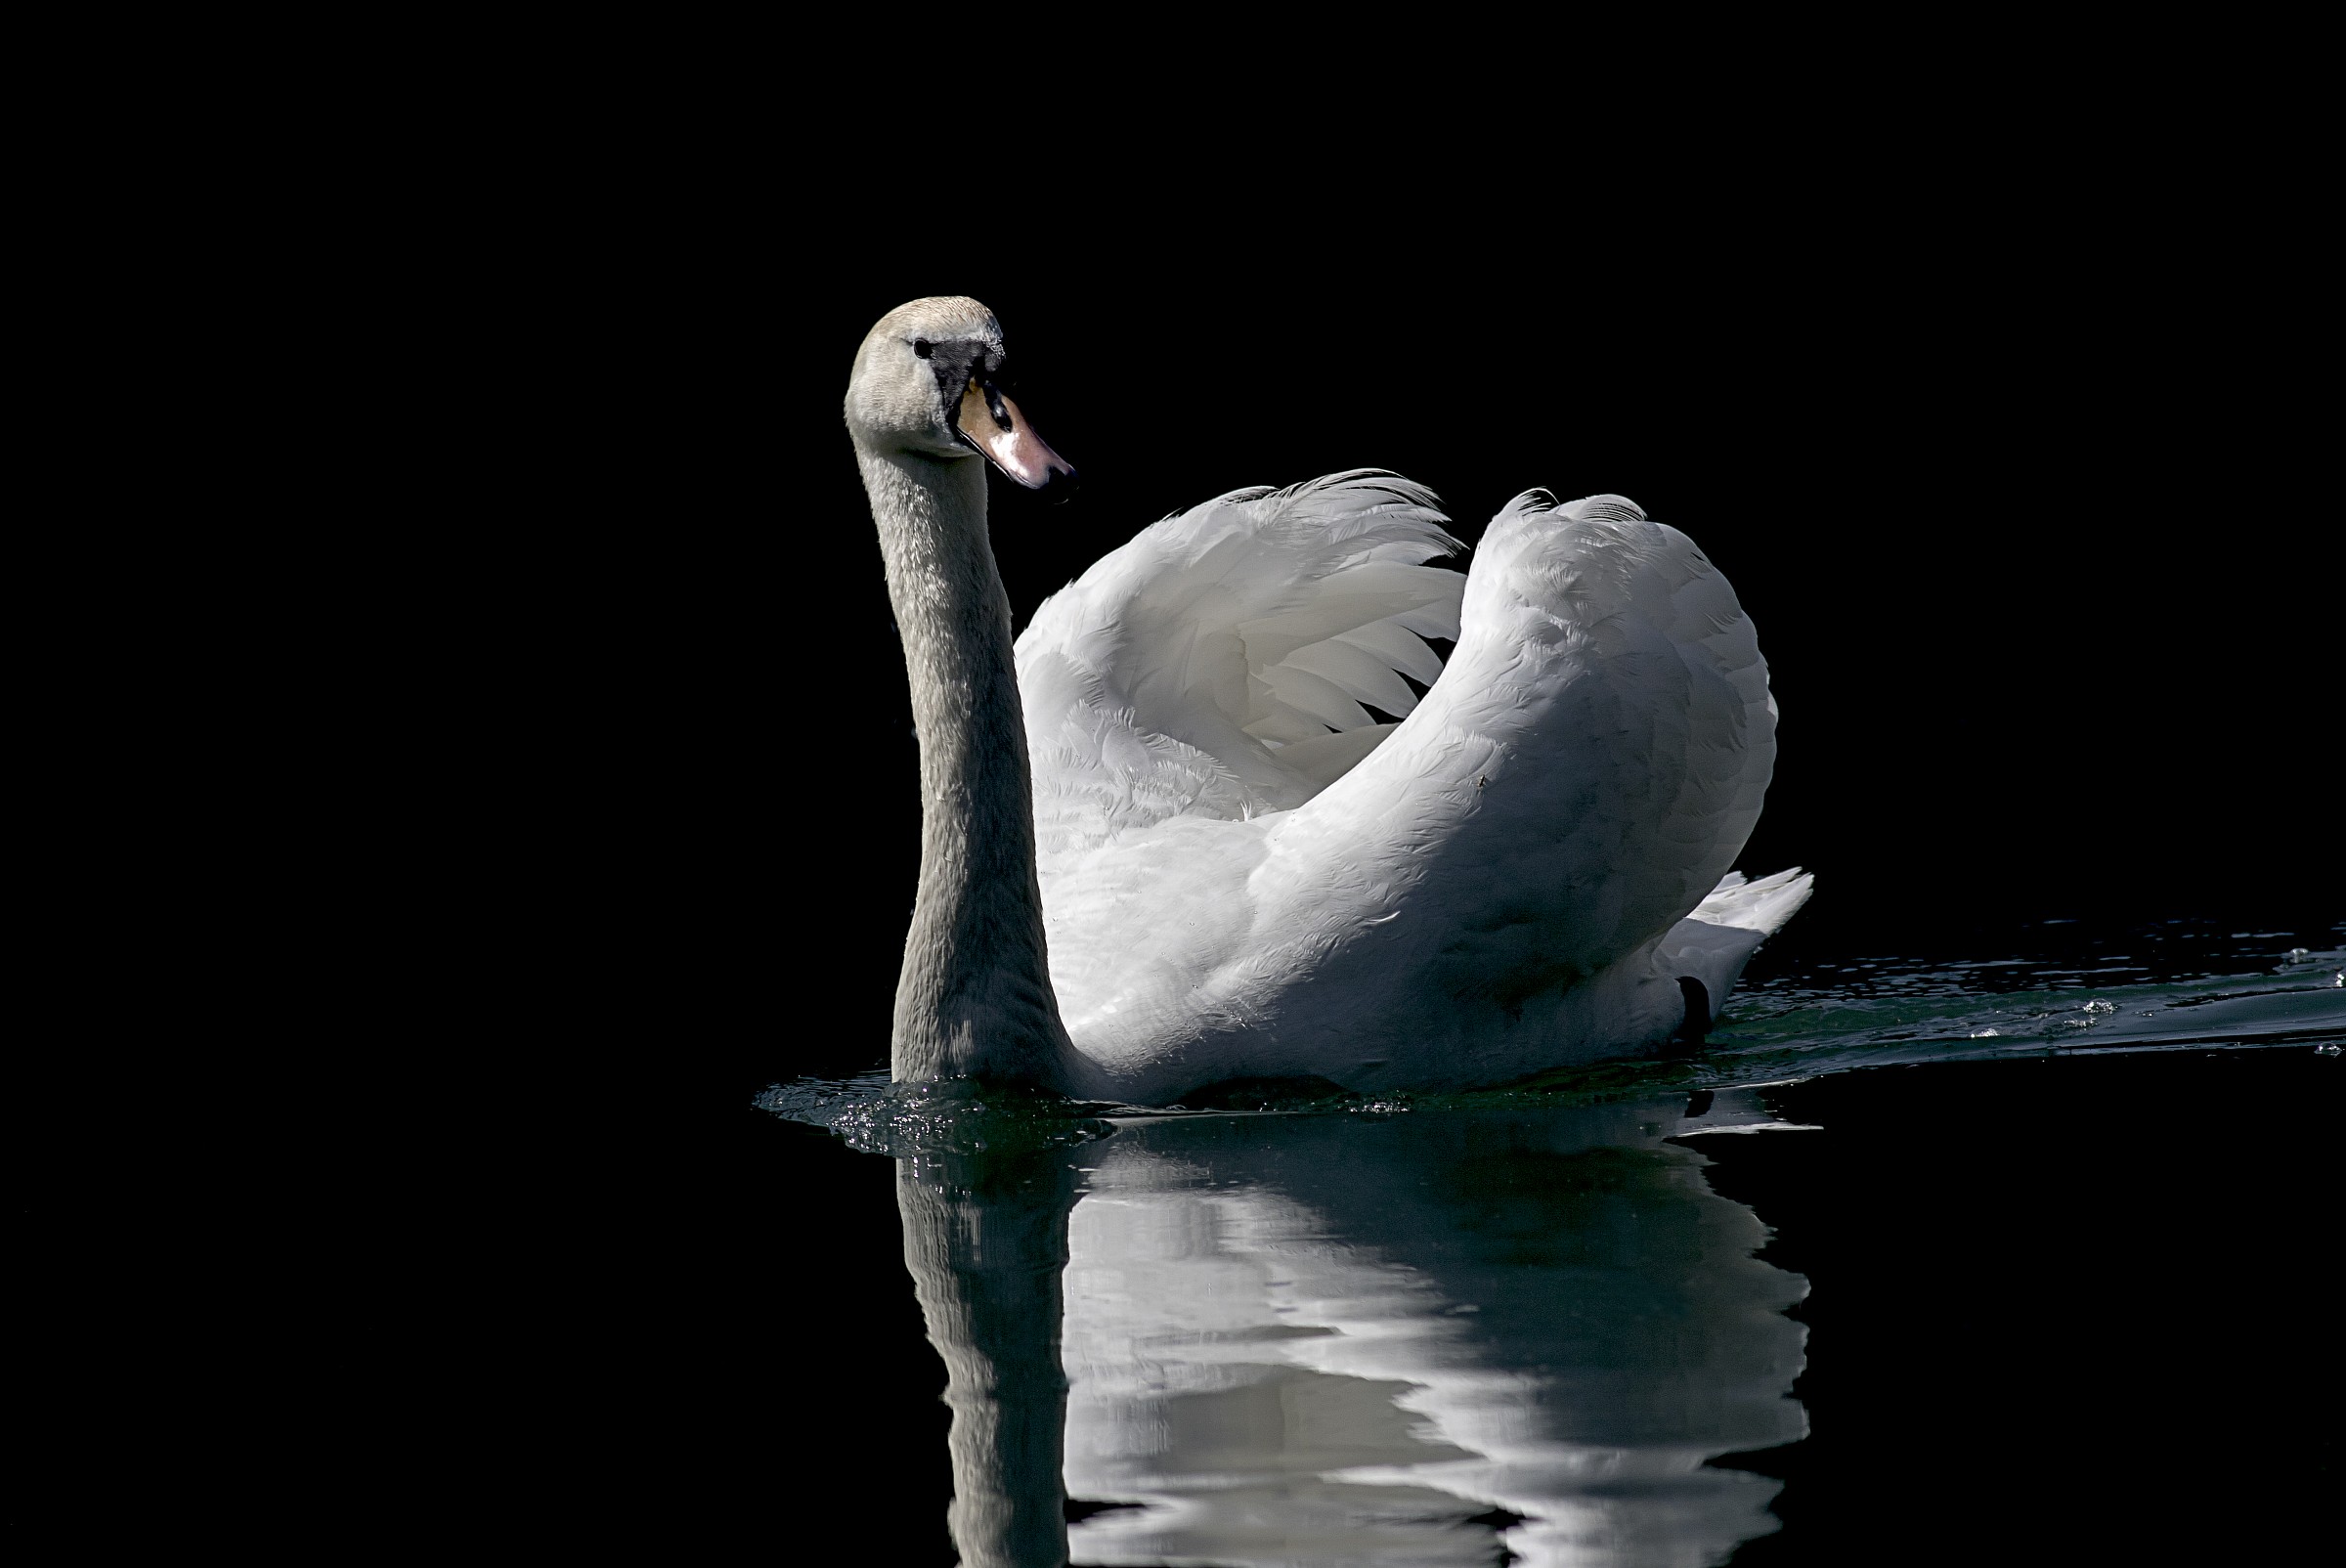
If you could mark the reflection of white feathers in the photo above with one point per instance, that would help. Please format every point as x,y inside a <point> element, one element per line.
<point>1246,873</point>
<point>1332,1348</point>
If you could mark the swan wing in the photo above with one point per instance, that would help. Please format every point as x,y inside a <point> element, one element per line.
<point>1582,775</point>
<point>1216,666</point>
<point>1488,891</point>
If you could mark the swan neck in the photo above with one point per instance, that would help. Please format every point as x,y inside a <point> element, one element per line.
<point>974,996</point>
<point>986,1252</point>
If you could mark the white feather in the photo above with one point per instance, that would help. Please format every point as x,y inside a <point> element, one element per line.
<point>1243,875</point>
<point>1168,680</point>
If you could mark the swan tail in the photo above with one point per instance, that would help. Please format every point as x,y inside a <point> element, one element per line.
<point>1762,906</point>
<point>1712,946</point>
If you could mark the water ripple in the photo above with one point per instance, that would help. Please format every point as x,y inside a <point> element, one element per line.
<point>1801,1021</point>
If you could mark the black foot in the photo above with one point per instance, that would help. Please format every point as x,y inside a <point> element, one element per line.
<point>1689,1038</point>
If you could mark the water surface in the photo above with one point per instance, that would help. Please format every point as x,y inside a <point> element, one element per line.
<point>1444,1330</point>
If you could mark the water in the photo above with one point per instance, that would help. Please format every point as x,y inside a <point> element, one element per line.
<point>2165,987</point>
<point>1549,1321</point>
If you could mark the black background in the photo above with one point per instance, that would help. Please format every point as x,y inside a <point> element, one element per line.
<point>2074,1348</point>
<point>2019,490</point>
<point>2019,475</point>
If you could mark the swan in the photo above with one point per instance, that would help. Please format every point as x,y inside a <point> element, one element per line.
<point>1163,843</point>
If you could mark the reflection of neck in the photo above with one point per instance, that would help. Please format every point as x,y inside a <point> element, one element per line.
<point>974,996</point>
<point>985,1260</point>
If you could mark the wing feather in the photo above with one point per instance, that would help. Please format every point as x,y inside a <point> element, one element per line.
<point>1182,662</point>
<point>1360,675</point>
<point>1241,874</point>
<point>1402,649</point>
<point>1483,890</point>
<point>1585,772</point>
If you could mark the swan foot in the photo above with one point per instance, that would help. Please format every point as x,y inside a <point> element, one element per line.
<point>1689,1038</point>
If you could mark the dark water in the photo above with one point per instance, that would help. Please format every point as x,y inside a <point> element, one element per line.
<point>1922,1261</point>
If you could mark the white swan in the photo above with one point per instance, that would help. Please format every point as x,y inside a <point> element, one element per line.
<point>1233,872</point>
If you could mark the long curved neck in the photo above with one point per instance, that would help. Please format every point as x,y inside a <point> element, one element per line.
<point>974,996</point>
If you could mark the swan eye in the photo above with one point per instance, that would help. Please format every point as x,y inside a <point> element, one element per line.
<point>923,348</point>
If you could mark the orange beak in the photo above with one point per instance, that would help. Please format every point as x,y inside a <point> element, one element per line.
<point>995,427</point>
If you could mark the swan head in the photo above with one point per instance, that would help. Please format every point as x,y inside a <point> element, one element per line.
<point>925,383</point>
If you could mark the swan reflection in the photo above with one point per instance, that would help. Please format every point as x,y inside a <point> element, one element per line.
<point>1355,1339</point>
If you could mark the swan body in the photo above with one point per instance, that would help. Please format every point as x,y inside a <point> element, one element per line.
<point>1177,849</point>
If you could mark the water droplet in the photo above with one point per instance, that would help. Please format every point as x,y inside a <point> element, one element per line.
<point>2325,1050</point>
<point>1987,1034</point>
<point>2101,1007</point>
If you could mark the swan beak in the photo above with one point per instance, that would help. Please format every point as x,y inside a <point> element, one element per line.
<point>993,424</point>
